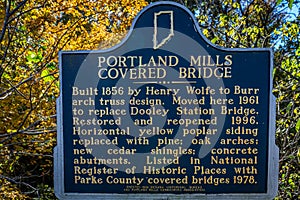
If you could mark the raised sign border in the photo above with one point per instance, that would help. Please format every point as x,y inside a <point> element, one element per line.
<point>273,151</point>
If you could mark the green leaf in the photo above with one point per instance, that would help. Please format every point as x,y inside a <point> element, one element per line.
<point>33,57</point>
<point>214,40</point>
<point>51,65</point>
<point>298,52</point>
<point>298,125</point>
<point>274,72</point>
<point>46,76</point>
<point>291,4</point>
<point>5,75</point>
<point>278,2</point>
<point>289,106</point>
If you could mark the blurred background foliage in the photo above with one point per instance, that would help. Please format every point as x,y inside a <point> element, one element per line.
<point>33,31</point>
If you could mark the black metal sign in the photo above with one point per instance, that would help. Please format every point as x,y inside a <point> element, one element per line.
<point>166,114</point>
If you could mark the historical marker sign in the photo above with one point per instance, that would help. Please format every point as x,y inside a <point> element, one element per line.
<point>166,114</point>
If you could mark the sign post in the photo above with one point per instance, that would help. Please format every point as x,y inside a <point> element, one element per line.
<point>166,115</point>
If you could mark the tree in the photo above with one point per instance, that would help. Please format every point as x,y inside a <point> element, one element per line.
<point>287,91</point>
<point>266,23</point>
<point>273,24</point>
<point>32,34</point>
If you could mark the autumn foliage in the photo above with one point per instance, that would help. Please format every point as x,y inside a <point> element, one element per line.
<point>34,31</point>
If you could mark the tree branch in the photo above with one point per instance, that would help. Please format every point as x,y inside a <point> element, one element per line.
<point>18,7</point>
<point>289,73</point>
<point>19,182</point>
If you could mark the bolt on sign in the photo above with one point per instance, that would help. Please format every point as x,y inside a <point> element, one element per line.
<point>166,115</point>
